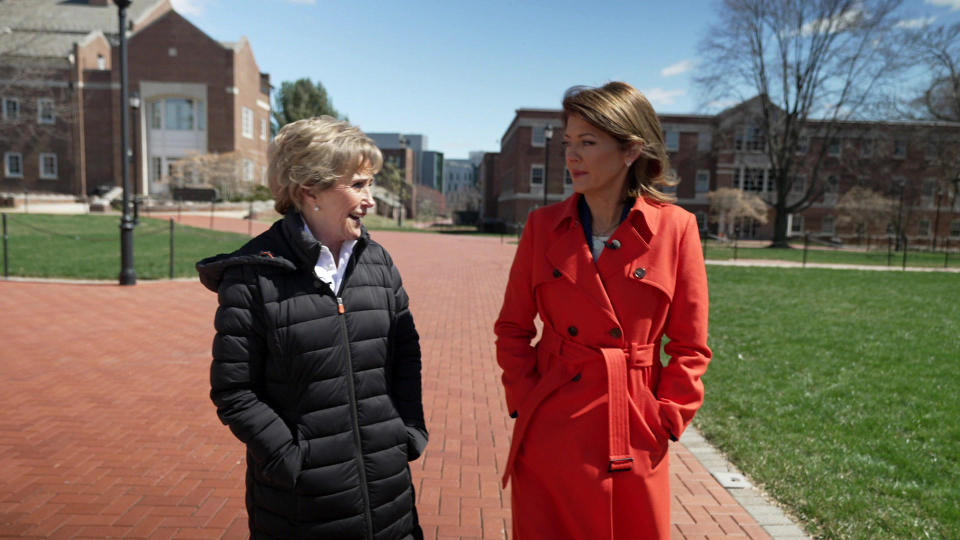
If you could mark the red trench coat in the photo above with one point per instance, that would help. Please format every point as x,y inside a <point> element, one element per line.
<point>595,408</point>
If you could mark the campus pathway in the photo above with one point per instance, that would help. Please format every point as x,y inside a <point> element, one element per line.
<point>106,429</point>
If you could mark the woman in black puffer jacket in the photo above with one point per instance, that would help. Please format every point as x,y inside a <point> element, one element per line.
<point>316,360</point>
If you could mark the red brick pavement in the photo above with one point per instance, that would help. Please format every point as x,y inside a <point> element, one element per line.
<point>106,429</point>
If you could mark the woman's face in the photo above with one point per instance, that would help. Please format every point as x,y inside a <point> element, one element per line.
<point>596,162</point>
<point>334,214</point>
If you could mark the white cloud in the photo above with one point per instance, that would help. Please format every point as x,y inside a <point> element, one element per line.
<point>954,5</point>
<point>659,96</point>
<point>835,24</point>
<point>721,104</point>
<point>189,7</point>
<point>680,67</point>
<point>917,23</point>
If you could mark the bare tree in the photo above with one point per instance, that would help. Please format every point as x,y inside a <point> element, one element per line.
<point>730,205</point>
<point>233,175</point>
<point>814,66</point>
<point>938,49</point>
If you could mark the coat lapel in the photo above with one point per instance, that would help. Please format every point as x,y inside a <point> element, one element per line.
<point>569,254</point>
<point>635,237</point>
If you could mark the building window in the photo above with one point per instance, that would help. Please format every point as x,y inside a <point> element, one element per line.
<point>101,62</point>
<point>13,165</point>
<point>752,180</point>
<point>832,186</point>
<point>247,170</point>
<point>536,175</point>
<point>866,146</point>
<point>798,185</point>
<point>48,166</point>
<point>673,141</point>
<point>263,129</point>
<point>751,139</point>
<point>923,227</point>
<point>704,141</point>
<point>796,223</point>
<point>247,122</point>
<point>955,229</point>
<point>156,115</point>
<point>536,136</point>
<point>702,184</point>
<point>156,168</point>
<point>45,112</point>
<point>900,148</point>
<point>803,144</point>
<point>201,116</point>
<point>931,150</point>
<point>833,149</point>
<point>826,224</point>
<point>11,108</point>
<point>179,114</point>
<point>929,187</point>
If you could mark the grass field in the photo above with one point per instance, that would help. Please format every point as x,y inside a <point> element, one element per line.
<point>875,257</point>
<point>88,247</point>
<point>839,392</point>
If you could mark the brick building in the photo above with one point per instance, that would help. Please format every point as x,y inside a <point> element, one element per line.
<point>914,164</point>
<point>60,82</point>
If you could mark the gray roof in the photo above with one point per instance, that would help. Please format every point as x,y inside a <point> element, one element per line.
<point>50,27</point>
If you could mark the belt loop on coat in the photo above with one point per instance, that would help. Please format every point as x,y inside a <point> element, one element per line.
<point>618,414</point>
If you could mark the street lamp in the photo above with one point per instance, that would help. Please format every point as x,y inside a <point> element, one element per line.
<point>547,135</point>
<point>128,275</point>
<point>135,106</point>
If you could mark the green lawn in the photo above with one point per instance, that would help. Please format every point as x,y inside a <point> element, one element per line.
<point>839,392</point>
<point>875,257</point>
<point>88,246</point>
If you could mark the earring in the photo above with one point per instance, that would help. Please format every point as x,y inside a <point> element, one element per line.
<point>316,208</point>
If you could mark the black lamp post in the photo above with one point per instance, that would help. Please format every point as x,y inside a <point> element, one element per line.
<point>900,228</point>
<point>134,154</point>
<point>547,135</point>
<point>128,275</point>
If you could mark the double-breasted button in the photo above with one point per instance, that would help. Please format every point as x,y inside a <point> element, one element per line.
<point>640,272</point>
<point>572,330</point>
<point>556,273</point>
<point>615,332</point>
<point>613,244</point>
<point>576,378</point>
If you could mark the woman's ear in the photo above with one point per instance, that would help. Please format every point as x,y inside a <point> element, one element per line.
<point>632,153</point>
<point>306,196</point>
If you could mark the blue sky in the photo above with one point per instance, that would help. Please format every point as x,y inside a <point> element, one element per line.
<point>456,71</point>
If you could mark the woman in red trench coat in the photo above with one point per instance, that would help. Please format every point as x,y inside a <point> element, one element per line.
<point>610,271</point>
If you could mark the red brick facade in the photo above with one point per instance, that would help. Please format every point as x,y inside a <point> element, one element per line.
<point>705,154</point>
<point>168,59</point>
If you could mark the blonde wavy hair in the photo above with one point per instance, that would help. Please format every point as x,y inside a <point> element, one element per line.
<point>314,153</point>
<point>624,113</point>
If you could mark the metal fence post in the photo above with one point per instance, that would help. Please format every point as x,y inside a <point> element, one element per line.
<point>250,220</point>
<point>213,202</point>
<point>171,248</point>
<point>889,249</point>
<point>806,246</point>
<point>904,252</point>
<point>6,272</point>
<point>946,251</point>
<point>26,201</point>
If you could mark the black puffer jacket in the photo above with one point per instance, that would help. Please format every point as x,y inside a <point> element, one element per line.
<point>326,397</point>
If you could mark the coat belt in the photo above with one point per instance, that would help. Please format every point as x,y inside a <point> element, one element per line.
<point>571,357</point>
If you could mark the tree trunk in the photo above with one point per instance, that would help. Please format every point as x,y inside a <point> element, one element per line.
<point>780,239</point>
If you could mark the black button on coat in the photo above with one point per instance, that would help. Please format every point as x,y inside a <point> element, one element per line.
<point>329,405</point>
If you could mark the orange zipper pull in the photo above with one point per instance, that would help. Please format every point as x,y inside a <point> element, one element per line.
<point>340,308</point>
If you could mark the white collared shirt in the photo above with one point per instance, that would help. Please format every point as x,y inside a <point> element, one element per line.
<point>329,271</point>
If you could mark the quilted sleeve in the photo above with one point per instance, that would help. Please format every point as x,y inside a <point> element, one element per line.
<point>405,381</point>
<point>236,373</point>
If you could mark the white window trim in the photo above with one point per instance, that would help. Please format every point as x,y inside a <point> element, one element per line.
<point>263,129</point>
<point>6,165</point>
<point>43,175</point>
<point>542,178</point>
<point>696,183</point>
<point>666,141</point>
<point>246,122</point>
<point>897,155</point>
<point>10,100</point>
<point>53,113</point>
<point>839,151</point>
<point>533,136</point>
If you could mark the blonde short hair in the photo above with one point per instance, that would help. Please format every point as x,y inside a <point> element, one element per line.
<point>315,152</point>
<point>624,113</point>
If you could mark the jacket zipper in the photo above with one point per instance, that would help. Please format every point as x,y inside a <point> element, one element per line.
<point>354,414</point>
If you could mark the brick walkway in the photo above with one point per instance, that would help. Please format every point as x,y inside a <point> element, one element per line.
<point>106,429</point>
